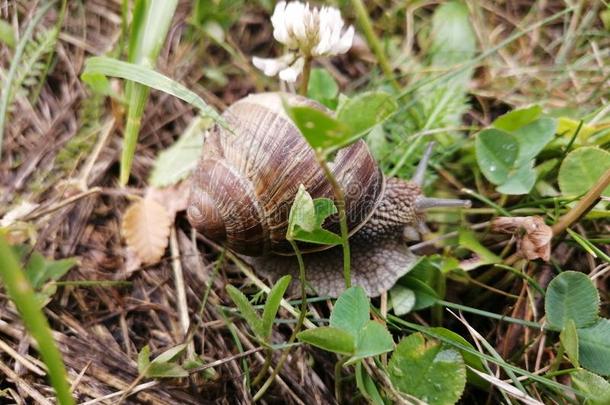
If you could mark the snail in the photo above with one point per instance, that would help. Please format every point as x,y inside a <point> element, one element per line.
<point>247,179</point>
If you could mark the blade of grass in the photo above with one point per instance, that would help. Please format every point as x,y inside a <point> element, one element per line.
<point>149,27</point>
<point>16,60</point>
<point>147,77</point>
<point>23,296</point>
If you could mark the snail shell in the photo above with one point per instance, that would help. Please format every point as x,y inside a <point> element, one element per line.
<point>250,171</point>
<point>248,177</point>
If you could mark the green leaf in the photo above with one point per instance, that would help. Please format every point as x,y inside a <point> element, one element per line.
<point>595,388</point>
<point>581,170</point>
<point>246,310</point>
<point>306,218</point>
<point>532,138</point>
<point>470,359</point>
<point>468,239</point>
<point>143,359</point>
<point>403,300</point>
<point>322,87</point>
<point>39,270</point>
<point>453,40</point>
<point>179,160</point>
<point>515,119</point>
<point>507,159</point>
<point>166,370</point>
<point>7,35</point>
<point>351,311</point>
<point>496,152</point>
<point>367,386</point>
<point>569,341</point>
<point>571,295</point>
<point>427,370</point>
<point>373,340</point>
<point>520,181</point>
<point>169,354</point>
<point>425,296</point>
<point>594,350</point>
<point>366,110</point>
<point>319,130</point>
<point>302,213</point>
<point>330,339</point>
<point>272,304</point>
<point>148,77</point>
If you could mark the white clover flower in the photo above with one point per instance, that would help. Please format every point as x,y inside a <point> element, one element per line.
<point>308,33</point>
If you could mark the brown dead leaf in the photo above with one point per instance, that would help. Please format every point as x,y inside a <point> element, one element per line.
<point>146,226</point>
<point>532,234</point>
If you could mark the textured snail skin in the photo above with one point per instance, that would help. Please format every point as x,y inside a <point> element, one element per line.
<point>248,176</point>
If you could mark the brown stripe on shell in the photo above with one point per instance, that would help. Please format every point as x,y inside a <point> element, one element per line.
<point>234,199</point>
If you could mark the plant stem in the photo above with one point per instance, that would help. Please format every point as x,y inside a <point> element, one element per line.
<point>340,201</point>
<point>375,44</point>
<point>297,327</point>
<point>305,77</point>
<point>338,367</point>
<point>261,374</point>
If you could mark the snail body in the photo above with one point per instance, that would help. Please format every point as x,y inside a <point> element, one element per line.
<point>248,177</point>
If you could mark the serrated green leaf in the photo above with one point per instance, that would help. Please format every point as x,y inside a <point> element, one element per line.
<point>596,389</point>
<point>581,170</point>
<point>496,152</point>
<point>328,338</point>
<point>351,311</point>
<point>515,119</point>
<point>594,347</point>
<point>403,299</point>
<point>246,310</point>
<point>569,341</point>
<point>427,370</point>
<point>179,160</point>
<point>571,295</point>
<point>272,304</point>
<point>373,340</point>
<point>143,359</point>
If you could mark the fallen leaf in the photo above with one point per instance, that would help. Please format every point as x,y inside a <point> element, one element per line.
<point>532,234</point>
<point>146,226</point>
